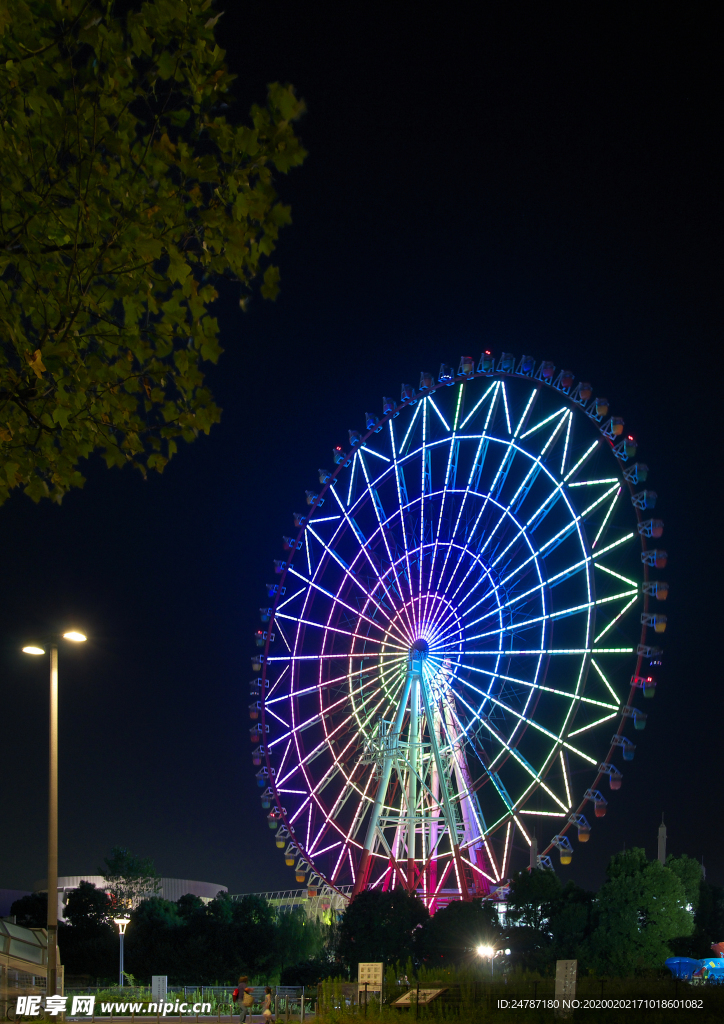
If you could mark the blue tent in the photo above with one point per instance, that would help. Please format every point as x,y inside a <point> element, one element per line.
<point>683,967</point>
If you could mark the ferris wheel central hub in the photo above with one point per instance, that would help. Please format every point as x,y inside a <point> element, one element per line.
<point>421,648</point>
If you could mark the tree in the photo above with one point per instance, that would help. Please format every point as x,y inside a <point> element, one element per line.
<point>640,909</point>
<point>89,942</point>
<point>87,907</point>
<point>153,938</point>
<point>533,894</point>
<point>129,878</point>
<point>570,922</point>
<point>126,194</point>
<point>688,871</point>
<point>380,926</point>
<point>454,932</point>
<point>708,921</point>
<point>298,938</point>
<point>31,911</point>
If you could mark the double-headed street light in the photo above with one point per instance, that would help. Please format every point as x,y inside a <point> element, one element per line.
<point>492,952</point>
<point>52,977</point>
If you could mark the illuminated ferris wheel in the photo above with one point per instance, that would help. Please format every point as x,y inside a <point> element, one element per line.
<point>450,659</point>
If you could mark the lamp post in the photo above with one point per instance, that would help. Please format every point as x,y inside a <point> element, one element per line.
<point>487,951</point>
<point>492,952</point>
<point>123,923</point>
<point>52,921</point>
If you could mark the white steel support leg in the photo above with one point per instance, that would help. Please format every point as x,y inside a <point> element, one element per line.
<point>413,759</point>
<point>444,792</point>
<point>473,828</point>
<point>394,732</point>
<point>431,853</point>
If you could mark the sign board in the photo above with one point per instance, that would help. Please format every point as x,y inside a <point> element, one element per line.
<point>371,975</point>
<point>159,986</point>
<point>421,997</point>
<point>369,980</point>
<point>566,971</point>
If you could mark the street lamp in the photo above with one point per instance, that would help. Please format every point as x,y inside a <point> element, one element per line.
<point>487,951</point>
<point>52,924</point>
<point>123,923</point>
<point>492,952</point>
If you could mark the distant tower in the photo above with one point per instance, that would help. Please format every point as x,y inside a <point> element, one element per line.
<point>533,853</point>
<point>662,842</point>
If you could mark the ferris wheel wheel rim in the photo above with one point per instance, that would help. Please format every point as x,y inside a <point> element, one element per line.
<point>388,418</point>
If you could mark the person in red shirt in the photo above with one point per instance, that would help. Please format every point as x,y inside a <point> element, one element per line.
<point>244,998</point>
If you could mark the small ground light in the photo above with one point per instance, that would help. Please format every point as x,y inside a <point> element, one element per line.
<point>33,650</point>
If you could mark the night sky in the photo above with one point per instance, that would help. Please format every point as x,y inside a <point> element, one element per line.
<point>531,178</point>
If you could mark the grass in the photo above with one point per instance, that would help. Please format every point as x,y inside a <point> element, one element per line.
<point>473,1001</point>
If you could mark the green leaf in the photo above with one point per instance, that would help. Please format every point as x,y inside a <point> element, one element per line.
<point>270,288</point>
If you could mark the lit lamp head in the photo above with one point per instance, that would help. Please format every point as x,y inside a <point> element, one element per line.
<point>72,634</point>
<point>122,922</point>
<point>485,951</point>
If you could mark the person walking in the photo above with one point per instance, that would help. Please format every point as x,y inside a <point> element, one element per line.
<point>266,1006</point>
<point>245,998</point>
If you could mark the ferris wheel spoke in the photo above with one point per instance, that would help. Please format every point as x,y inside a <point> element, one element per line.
<point>321,684</point>
<point>475,473</point>
<point>342,632</point>
<point>363,541</point>
<point>521,492</point>
<point>352,577</point>
<point>593,725</point>
<point>307,723</point>
<point>383,521</point>
<point>424,487</point>
<point>335,597</point>
<point>613,621</point>
<point>561,613</point>
<point>514,753</point>
<point>532,722</point>
<point>451,467</point>
<point>558,537</point>
<point>606,518</point>
<point>321,716</point>
<point>402,505</point>
<point>567,442</point>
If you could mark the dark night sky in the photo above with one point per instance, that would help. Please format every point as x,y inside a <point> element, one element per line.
<point>530,177</point>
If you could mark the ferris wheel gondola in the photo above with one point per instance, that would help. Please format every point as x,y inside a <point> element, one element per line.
<point>460,622</point>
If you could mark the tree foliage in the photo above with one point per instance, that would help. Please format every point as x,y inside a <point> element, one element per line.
<point>380,926</point>
<point>189,941</point>
<point>533,895</point>
<point>126,193</point>
<point>88,907</point>
<point>688,871</point>
<point>31,911</point>
<point>129,879</point>
<point>452,934</point>
<point>641,908</point>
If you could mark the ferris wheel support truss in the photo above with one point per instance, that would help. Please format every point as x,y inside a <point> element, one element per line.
<point>405,608</point>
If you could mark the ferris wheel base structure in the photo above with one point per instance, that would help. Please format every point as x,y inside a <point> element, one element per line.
<point>462,627</point>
